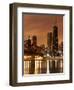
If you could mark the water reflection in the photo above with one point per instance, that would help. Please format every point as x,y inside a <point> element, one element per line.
<point>42,65</point>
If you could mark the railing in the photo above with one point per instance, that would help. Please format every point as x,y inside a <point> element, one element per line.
<point>42,65</point>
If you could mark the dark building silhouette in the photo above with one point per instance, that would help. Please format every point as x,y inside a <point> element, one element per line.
<point>29,42</point>
<point>34,40</point>
<point>27,46</point>
<point>61,46</point>
<point>55,40</point>
<point>49,40</point>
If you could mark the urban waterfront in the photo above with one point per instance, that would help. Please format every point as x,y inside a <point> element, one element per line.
<point>43,53</point>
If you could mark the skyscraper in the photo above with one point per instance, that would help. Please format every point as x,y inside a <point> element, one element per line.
<point>55,40</point>
<point>34,40</point>
<point>49,40</point>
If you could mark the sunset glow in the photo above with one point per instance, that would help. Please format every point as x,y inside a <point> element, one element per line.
<point>40,25</point>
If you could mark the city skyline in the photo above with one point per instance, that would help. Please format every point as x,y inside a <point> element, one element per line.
<point>40,25</point>
<point>42,50</point>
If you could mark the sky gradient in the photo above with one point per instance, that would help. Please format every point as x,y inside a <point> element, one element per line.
<point>40,25</point>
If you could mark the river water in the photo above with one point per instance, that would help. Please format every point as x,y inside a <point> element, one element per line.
<point>41,65</point>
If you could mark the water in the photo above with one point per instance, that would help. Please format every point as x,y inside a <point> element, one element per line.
<point>41,65</point>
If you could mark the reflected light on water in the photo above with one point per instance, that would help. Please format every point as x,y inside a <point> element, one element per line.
<point>38,64</point>
<point>36,57</point>
<point>27,57</point>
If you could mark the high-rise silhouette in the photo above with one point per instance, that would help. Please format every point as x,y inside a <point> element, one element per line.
<point>55,40</point>
<point>49,40</point>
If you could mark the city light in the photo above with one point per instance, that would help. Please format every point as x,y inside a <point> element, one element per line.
<point>27,57</point>
<point>38,58</point>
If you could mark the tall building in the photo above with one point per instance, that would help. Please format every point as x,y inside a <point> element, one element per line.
<point>34,40</point>
<point>49,40</point>
<point>55,40</point>
<point>29,42</point>
<point>61,46</point>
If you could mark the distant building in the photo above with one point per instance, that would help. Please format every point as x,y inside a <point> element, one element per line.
<point>27,45</point>
<point>34,44</point>
<point>49,40</point>
<point>61,46</point>
<point>55,40</point>
<point>31,47</point>
<point>34,40</point>
<point>29,42</point>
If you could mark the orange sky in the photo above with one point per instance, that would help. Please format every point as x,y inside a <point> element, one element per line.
<point>40,25</point>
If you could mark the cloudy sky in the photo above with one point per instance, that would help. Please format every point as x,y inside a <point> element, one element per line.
<point>40,25</point>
